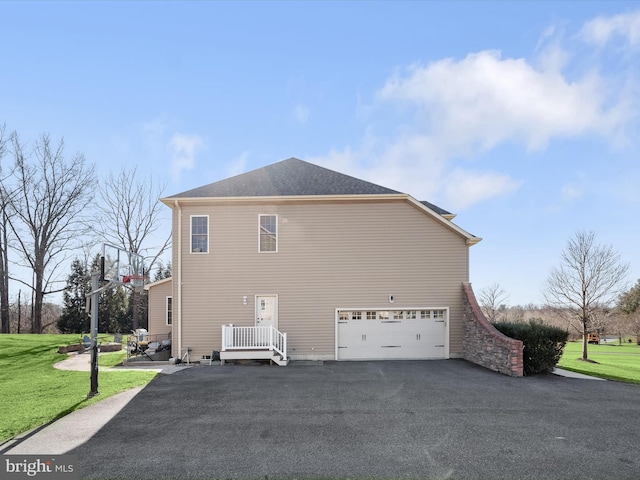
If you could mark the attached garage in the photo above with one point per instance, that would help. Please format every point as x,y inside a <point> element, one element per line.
<point>374,334</point>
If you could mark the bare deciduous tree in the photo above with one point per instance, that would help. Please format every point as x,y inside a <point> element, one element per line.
<point>589,279</point>
<point>129,215</point>
<point>633,324</point>
<point>4,238</point>
<point>46,213</point>
<point>491,299</point>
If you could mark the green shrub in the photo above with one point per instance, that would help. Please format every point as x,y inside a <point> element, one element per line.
<point>543,344</point>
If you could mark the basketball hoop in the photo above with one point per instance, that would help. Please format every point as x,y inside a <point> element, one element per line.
<point>136,281</point>
<point>120,266</point>
<point>117,267</point>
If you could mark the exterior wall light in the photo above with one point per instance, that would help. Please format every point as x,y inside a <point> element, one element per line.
<point>244,300</point>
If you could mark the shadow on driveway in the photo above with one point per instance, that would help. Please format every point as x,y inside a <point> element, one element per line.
<point>408,419</point>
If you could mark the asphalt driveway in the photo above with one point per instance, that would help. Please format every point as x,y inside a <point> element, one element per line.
<point>433,419</point>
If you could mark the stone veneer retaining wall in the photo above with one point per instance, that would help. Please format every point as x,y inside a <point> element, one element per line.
<point>484,345</point>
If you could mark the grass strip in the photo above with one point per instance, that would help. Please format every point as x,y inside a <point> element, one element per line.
<point>34,393</point>
<point>613,362</point>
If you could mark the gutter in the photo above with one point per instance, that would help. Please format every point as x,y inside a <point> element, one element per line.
<point>179,278</point>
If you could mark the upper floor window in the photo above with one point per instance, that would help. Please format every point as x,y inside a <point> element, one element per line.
<point>169,310</point>
<point>268,233</point>
<point>200,234</point>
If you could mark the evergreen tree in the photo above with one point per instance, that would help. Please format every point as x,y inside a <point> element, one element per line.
<point>74,318</point>
<point>629,301</point>
<point>163,271</point>
<point>113,315</point>
<point>112,307</point>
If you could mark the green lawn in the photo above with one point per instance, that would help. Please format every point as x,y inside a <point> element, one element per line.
<point>33,393</point>
<point>614,362</point>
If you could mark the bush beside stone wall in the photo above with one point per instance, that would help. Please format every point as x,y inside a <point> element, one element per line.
<point>482,344</point>
<point>543,344</point>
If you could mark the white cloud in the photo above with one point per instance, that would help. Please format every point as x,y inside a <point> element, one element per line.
<point>408,163</point>
<point>550,55</point>
<point>571,192</point>
<point>300,113</point>
<point>603,29</point>
<point>155,128</point>
<point>183,151</point>
<point>416,164</point>
<point>238,165</point>
<point>453,111</point>
<point>483,100</point>
<point>464,188</point>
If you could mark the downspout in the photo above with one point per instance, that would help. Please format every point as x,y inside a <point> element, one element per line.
<point>179,277</point>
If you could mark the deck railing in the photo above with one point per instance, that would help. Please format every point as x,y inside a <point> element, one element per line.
<point>254,338</point>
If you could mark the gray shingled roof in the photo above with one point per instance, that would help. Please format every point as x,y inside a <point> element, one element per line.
<point>435,208</point>
<point>291,177</point>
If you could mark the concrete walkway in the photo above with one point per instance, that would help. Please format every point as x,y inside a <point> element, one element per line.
<point>72,430</point>
<point>569,374</point>
<point>81,362</point>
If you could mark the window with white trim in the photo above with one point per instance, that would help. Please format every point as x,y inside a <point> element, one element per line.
<point>267,233</point>
<point>169,311</point>
<point>199,234</point>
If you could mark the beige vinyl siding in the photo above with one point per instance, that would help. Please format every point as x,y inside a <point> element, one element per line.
<point>157,319</point>
<point>330,255</point>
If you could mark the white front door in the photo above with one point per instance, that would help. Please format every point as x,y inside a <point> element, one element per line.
<point>267,311</point>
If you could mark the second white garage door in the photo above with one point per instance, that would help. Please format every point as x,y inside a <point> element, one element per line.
<point>392,334</point>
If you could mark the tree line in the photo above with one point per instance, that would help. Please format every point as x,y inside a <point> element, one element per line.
<point>587,292</point>
<point>116,305</point>
<point>53,207</point>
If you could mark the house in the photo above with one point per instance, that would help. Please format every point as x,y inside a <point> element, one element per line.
<point>341,268</point>
<point>160,310</point>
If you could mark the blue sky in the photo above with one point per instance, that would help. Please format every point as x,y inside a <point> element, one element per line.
<point>521,117</point>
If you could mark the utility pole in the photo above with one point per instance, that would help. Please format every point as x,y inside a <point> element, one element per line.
<point>95,296</point>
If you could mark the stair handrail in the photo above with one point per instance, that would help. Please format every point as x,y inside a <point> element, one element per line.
<point>280,345</point>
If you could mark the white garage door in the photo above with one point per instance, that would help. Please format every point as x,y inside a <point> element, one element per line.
<point>392,334</point>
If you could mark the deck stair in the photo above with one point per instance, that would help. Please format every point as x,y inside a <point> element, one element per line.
<point>254,343</point>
